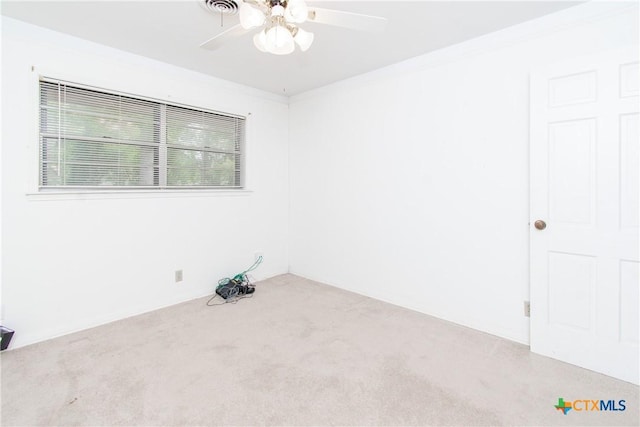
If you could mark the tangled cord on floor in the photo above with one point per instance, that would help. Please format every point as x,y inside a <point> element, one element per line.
<point>232,290</point>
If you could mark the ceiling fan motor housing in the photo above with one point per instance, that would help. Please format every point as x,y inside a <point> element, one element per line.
<point>282,3</point>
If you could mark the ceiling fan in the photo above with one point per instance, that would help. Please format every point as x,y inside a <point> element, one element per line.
<point>279,22</point>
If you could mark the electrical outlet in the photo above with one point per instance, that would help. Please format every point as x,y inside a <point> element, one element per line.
<point>256,256</point>
<point>527,309</point>
<point>178,276</point>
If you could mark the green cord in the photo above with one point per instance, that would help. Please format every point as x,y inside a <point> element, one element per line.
<point>240,276</point>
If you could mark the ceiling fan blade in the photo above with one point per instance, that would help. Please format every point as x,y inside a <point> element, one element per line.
<point>218,40</point>
<point>354,21</point>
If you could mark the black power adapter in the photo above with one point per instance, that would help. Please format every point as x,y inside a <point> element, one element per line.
<point>5,337</point>
<point>234,288</point>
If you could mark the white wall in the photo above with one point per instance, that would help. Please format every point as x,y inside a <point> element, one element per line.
<point>410,184</point>
<point>73,262</point>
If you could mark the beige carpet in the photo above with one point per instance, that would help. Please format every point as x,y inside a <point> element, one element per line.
<point>297,353</point>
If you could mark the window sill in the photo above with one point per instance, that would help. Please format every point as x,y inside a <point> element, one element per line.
<point>133,194</point>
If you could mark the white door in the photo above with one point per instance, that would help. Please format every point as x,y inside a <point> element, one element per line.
<point>584,187</point>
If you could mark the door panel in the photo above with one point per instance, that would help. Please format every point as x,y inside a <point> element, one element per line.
<point>571,189</point>
<point>573,89</point>
<point>629,80</point>
<point>629,297</point>
<point>629,174</point>
<point>571,285</point>
<point>585,184</point>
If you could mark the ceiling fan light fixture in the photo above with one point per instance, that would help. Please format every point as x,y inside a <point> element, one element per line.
<point>297,11</point>
<point>303,39</point>
<point>260,41</point>
<point>278,23</point>
<point>277,10</point>
<point>250,17</point>
<point>279,40</point>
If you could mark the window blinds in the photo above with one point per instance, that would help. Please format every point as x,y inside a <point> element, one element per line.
<point>203,147</point>
<point>89,138</point>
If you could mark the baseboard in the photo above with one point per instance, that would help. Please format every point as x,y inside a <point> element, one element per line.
<point>417,308</point>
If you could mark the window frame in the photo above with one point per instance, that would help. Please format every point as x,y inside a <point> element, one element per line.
<point>115,191</point>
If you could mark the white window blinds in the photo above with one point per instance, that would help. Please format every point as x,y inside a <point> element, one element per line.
<point>93,139</point>
<point>203,148</point>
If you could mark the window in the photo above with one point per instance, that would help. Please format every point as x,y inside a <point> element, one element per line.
<point>94,139</point>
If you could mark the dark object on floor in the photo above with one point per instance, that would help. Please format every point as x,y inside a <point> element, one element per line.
<point>234,288</point>
<point>5,337</point>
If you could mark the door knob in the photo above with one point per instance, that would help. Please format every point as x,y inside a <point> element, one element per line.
<point>540,224</point>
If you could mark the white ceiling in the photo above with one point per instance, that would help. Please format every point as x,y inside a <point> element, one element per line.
<point>171,31</point>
